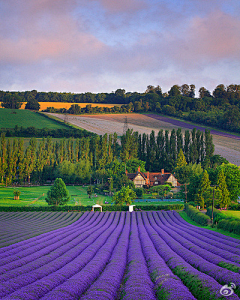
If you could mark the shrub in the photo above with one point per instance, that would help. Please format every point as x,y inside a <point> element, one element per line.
<point>196,215</point>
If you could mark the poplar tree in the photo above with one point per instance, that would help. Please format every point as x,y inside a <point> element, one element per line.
<point>203,187</point>
<point>224,200</point>
<point>187,145</point>
<point>181,160</point>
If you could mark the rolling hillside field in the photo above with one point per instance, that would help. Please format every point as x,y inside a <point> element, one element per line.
<point>9,118</point>
<point>226,146</point>
<point>115,255</point>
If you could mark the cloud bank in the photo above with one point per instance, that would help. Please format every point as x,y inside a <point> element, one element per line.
<point>103,45</point>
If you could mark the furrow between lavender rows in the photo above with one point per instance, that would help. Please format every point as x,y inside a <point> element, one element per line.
<point>36,243</point>
<point>206,232</point>
<point>107,285</point>
<point>25,243</point>
<point>221,275</point>
<point>77,284</point>
<point>34,287</point>
<point>137,282</point>
<point>166,285</point>
<point>198,246</point>
<point>195,280</point>
<point>47,254</point>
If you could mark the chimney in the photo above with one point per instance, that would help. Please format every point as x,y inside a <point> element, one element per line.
<point>162,171</point>
<point>139,169</point>
<point>147,181</point>
<point>126,172</point>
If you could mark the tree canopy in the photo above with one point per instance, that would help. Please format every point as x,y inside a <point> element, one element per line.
<point>58,193</point>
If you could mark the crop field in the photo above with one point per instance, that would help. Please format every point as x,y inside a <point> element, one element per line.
<point>19,226</point>
<point>119,255</point>
<point>9,118</point>
<point>226,146</point>
<point>44,105</point>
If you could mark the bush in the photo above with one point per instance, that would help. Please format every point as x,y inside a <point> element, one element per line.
<point>217,215</point>
<point>197,216</point>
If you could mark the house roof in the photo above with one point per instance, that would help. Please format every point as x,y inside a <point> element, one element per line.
<point>160,177</point>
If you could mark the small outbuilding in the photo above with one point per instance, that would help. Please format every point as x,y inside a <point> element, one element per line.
<point>97,206</point>
<point>131,208</point>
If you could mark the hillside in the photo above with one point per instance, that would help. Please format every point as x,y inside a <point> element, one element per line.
<point>226,146</point>
<point>10,118</point>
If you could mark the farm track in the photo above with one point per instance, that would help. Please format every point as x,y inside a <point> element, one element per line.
<point>113,255</point>
<point>226,145</point>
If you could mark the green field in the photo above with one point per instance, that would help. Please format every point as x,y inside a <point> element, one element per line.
<point>9,118</point>
<point>35,196</point>
<point>231,213</point>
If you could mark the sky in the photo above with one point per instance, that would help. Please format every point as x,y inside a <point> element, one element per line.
<point>99,46</point>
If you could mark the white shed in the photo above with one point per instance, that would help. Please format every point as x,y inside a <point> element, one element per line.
<point>131,207</point>
<point>97,205</point>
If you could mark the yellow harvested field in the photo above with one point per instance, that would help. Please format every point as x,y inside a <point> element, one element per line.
<point>110,123</point>
<point>44,105</point>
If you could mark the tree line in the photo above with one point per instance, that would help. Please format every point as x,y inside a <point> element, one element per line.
<point>220,109</point>
<point>98,158</point>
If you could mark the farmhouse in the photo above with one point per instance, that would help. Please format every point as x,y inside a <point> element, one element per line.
<point>150,179</point>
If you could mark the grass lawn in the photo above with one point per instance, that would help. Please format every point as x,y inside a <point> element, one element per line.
<point>187,219</point>
<point>231,213</point>
<point>9,118</point>
<point>36,196</point>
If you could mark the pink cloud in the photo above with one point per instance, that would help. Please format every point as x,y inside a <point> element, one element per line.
<point>217,36</point>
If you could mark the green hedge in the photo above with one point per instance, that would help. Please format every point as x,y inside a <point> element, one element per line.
<point>197,216</point>
<point>45,208</point>
<point>223,222</point>
<point>89,208</point>
<point>217,215</point>
<point>231,225</point>
<point>159,207</point>
<point>234,206</point>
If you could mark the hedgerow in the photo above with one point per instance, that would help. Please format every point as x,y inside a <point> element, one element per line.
<point>197,216</point>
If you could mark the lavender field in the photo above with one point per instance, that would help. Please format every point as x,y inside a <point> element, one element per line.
<point>116,255</point>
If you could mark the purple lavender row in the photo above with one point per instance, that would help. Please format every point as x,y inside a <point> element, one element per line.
<point>138,284</point>
<point>206,287</point>
<point>222,275</point>
<point>37,259</point>
<point>48,279</point>
<point>33,222</point>
<point>26,224</point>
<point>219,242</point>
<point>41,241</point>
<point>166,284</point>
<point>14,248</point>
<point>27,243</point>
<point>76,285</point>
<point>26,234</point>
<point>108,283</point>
<point>206,232</point>
<point>56,260</point>
<point>205,249</point>
<point>45,255</point>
